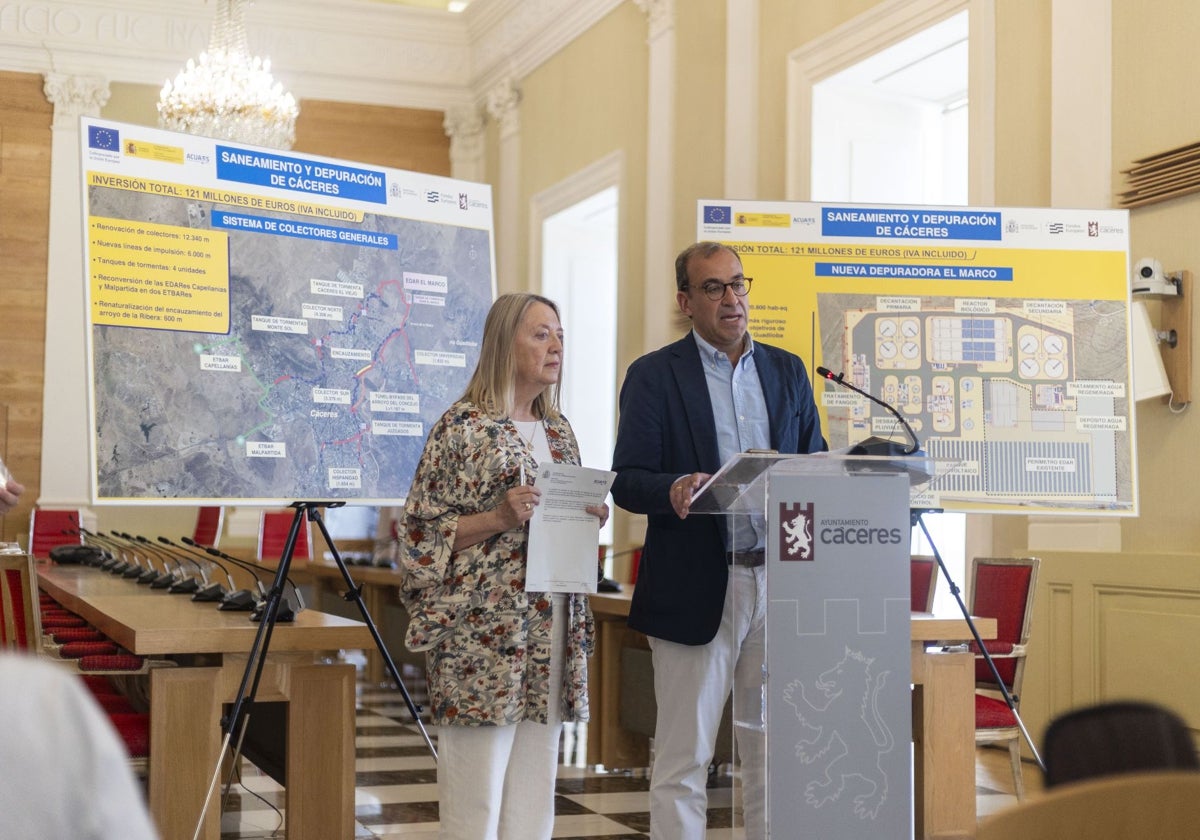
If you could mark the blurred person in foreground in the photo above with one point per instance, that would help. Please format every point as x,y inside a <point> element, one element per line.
<point>505,666</point>
<point>63,771</point>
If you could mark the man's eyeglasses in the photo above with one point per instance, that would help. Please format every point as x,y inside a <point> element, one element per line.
<point>715,289</point>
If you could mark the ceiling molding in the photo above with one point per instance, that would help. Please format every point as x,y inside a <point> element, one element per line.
<point>512,38</point>
<point>350,50</point>
<point>344,50</point>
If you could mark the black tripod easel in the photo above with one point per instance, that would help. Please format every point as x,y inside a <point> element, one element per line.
<point>916,519</point>
<point>234,723</point>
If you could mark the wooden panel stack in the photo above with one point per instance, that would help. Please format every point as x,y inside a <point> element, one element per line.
<point>25,118</point>
<point>1162,176</point>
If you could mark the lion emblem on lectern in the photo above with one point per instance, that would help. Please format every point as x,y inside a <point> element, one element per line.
<point>849,735</point>
<point>798,535</point>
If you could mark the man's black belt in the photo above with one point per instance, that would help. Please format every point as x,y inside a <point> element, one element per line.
<point>747,557</point>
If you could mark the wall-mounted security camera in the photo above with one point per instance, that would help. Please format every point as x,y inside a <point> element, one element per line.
<point>1150,279</point>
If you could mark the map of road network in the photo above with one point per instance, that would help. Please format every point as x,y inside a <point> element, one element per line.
<point>320,363</point>
<point>336,361</point>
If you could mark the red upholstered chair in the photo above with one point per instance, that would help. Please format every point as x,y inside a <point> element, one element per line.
<point>21,630</point>
<point>924,572</point>
<point>109,663</point>
<point>1003,589</point>
<point>113,703</point>
<point>55,622</point>
<point>273,529</point>
<point>77,634</point>
<point>20,621</point>
<point>97,684</point>
<point>49,527</point>
<point>78,650</point>
<point>69,638</point>
<point>133,728</point>
<point>209,521</point>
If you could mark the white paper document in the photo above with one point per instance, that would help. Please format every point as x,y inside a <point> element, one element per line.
<point>563,537</point>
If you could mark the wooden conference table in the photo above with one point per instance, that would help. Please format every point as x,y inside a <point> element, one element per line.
<point>186,703</point>
<point>943,713</point>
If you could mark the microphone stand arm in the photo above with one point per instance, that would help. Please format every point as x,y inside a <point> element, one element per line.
<point>840,379</point>
<point>916,519</point>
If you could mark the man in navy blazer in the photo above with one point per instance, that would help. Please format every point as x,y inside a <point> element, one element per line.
<point>685,410</point>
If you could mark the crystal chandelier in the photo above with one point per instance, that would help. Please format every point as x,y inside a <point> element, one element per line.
<point>227,93</point>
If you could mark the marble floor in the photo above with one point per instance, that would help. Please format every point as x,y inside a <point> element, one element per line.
<point>396,794</point>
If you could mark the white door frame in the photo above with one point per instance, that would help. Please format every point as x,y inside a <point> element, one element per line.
<point>608,171</point>
<point>867,34</point>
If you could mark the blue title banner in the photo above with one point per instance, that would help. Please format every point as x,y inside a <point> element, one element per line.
<point>303,230</point>
<point>289,173</point>
<point>915,223</point>
<point>914,272</point>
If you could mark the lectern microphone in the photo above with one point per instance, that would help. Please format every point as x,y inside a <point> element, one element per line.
<point>875,445</point>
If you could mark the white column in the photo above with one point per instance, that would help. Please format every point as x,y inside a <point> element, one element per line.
<point>464,127</point>
<point>981,90</point>
<point>502,106</point>
<point>66,465</point>
<point>1080,176</point>
<point>1081,103</point>
<point>659,285</point>
<point>741,99</point>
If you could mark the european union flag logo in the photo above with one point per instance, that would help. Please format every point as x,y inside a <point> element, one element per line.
<point>108,139</point>
<point>716,214</point>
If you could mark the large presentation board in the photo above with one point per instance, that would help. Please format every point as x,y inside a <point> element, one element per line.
<point>265,326</point>
<point>1000,334</point>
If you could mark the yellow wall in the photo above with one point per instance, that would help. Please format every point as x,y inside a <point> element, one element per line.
<point>1022,149</point>
<point>1113,627</point>
<point>1155,108</point>
<point>586,102</point>
<point>1022,103</point>
<point>1105,625</point>
<point>1119,625</point>
<point>699,120</point>
<point>784,26</point>
<point>582,105</point>
<point>130,103</point>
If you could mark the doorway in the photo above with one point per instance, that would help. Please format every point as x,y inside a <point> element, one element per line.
<point>579,273</point>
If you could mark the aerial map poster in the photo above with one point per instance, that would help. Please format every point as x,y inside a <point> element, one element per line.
<point>1001,335</point>
<point>267,327</point>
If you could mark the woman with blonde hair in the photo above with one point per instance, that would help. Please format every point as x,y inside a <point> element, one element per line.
<point>505,666</point>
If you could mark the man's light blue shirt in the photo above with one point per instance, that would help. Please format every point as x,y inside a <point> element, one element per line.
<point>740,415</point>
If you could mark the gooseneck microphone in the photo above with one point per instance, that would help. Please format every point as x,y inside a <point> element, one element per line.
<point>210,592</point>
<point>875,445</point>
<point>286,611</point>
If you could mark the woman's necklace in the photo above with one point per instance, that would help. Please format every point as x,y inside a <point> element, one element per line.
<point>531,426</point>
